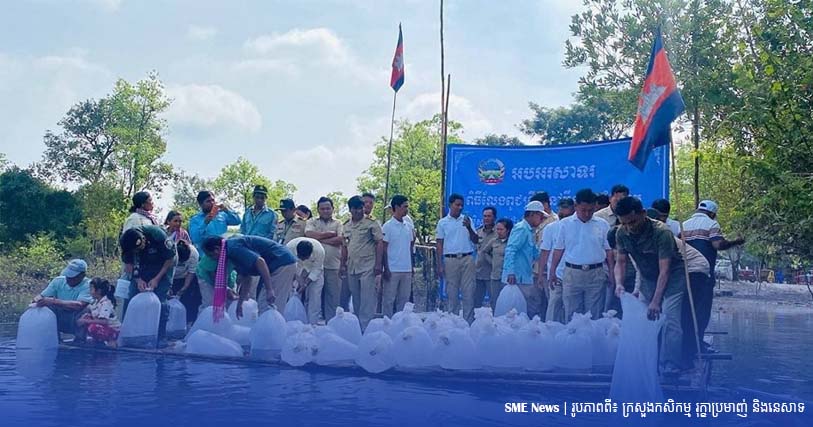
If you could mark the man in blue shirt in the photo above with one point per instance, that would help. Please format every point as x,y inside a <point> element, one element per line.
<point>67,296</point>
<point>257,256</point>
<point>520,254</point>
<point>258,220</point>
<point>212,220</point>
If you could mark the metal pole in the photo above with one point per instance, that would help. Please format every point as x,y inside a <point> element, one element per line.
<point>389,160</point>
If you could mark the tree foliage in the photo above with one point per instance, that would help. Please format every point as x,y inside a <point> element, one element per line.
<point>415,170</point>
<point>498,140</point>
<point>118,138</point>
<point>591,120</point>
<point>236,182</point>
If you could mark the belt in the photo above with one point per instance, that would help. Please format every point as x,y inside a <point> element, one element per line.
<point>457,255</point>
<point>585,267</point>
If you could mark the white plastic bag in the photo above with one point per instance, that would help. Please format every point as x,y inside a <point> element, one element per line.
<point>497,347</point>
<point>297,327</point>
<point>241,335</point>
<point>436,324</point>
<point>403,320</point>
<point>295,310</point>
<point>209,344</point>
<point>176,324</point>
<point>268,335</point>
<point>482,319</point>
<point>378,325</point>
<point>375,352</point>
<point>205,322</point>
<point>251,313</point>
<point>335,350</point>
<point>300,349</point>
<point>635,375</point>
<point>37,329</point>
<point>456,350</point>
<point>346,325</point>
<point>510,297</point>
<point>122,289</point>
<point>140,326</point>
<point>536,346</point>
<point>574,346</point>
<point>414,348</point>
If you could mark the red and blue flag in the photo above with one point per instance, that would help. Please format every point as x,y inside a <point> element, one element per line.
<point>397,76</point>
<point>659,105</point>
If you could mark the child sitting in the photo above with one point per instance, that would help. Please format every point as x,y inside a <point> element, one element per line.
<point>101,323</point>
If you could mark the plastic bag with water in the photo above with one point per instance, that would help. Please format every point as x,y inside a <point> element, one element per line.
<point>403,320</point>
<point>414,348</point>
<point>378,325</point>
<point>510,297</point>
<point>205,322</point>
<point>295,310</point>
<point>456,350</point>
<point>482,319</point>
<point>335,350</point>
<point>536,346</point>
<point>251,313</point>
<point>37,329</point>
<point>497,347</point>
<point>209,344</point>
<point>635,375</point>
<point>176,324</point>
<point>574,345</point>
<point>346,325</point>
<point>268,335</point>
<point>300,349</point>
<point>438,323</point>
<point>140,326</point>
<point>375,352</point>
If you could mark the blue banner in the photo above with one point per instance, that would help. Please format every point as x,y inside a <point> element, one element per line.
<point>506,177</point>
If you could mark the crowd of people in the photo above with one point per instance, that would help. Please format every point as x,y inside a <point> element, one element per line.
<point>579,259</point>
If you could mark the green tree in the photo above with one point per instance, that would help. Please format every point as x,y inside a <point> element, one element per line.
<point>4,163</point>
<point>186,188</point>
<point>118,138</point>
<point>340,210</point>
<point>415,170</point>
<point>498,140</point>
<point>586,121</point>
<point>105,210</point>
<point>236,184</point>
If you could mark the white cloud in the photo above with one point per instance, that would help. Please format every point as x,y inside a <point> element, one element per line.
<point>313,47</point>
<point>265,66</point>
<point>199,33</point>
<point>461,109</point>
<point>209,106</point>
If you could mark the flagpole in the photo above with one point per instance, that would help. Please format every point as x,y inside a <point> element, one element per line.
<point>389,160</point>
<point>697,338</point>
<point>442,118</point>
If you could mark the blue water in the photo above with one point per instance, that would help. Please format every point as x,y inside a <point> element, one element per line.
<point>77,388</point>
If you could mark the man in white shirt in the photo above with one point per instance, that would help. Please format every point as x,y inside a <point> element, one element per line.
<point>455,246</point>
<point>582,245</point>
<point>556,308</point>
<point>618,192</point>
<point>398,243</point>
<point>310,269</point>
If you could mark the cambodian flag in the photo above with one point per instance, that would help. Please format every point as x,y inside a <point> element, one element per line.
<point>397,77</point>
<point>659,104</point>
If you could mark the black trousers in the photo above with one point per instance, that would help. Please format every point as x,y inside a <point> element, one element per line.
<point>190,299</point>
<point>703,295</point>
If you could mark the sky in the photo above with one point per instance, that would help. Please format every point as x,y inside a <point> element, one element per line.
<point>298,87</point>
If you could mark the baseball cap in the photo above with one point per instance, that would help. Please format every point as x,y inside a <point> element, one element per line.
<point>286,204</point>
<point>535,206</point>
<point>260,189</point>
<point>708,205</point>
<point>653,213</point>
<point>75,267</point>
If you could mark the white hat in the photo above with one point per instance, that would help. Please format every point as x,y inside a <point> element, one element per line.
<point>708,205</point>
<point>75,267</point>
<point>536,206</point>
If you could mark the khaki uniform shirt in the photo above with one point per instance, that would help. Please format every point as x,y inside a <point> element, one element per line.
<point>483,264</point>
<point>290,230</point>
<point>361,239</point>
<point>497,251</point>
<point>608,215</point>
<point>538,236</point>
<point>333,254</point>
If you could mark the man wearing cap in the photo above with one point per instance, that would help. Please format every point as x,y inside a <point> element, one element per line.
<point>362,255</point>
<point>702,232</point>
<point>553,279</point>
<point>618,192</point>
<point>310,278</point>
<point>521,252</point>
<point>291,226</point>
<point>582,246</point>
<point>550,218</point>
<point>455,245</point>
<point>68,295</point>
<point>153,256</point>
<point>258,220</point>
<point>652,246</point>
<point>212,220</point>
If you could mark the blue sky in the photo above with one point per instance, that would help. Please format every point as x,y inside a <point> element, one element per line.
<point>298,87</point>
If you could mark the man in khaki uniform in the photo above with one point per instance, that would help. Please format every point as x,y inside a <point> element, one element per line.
<point>369,205</point>
<point>291,226</point>
<point>328,232</point>
<point>549,218</point>
<point>482,265</point>
<point>618,192</point>
<point>361,259</point>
